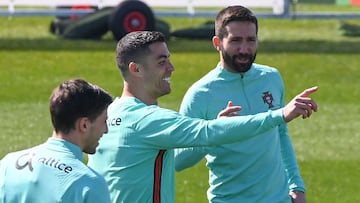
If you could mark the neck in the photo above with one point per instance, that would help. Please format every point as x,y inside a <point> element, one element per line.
<point>68,137</point>
<point>138,93</point>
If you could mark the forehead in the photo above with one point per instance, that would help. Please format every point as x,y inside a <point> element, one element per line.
<point>241,29</point>
<point>158,50</point>
<point>103,113</point>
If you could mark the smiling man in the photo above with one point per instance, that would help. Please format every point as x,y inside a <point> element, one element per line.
<point>263,169</point>
<point>136,157</point>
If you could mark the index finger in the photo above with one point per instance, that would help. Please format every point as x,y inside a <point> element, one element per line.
<point>309,91</point>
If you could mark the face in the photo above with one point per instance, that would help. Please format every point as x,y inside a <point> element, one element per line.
<point>238,49</point>
<point>97,128</point>
<point>158,70</point>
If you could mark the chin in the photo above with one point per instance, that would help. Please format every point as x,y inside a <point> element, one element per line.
<point>90,151</point>
<point>165,92</point>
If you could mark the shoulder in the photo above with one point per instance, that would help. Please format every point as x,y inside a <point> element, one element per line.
<point>88,184</point>
<point>211,81</point>
<point>260,70</point>
<point>12,156</point>
<point>265,68</point>
<point>86,172</point>
<point>84,176</point>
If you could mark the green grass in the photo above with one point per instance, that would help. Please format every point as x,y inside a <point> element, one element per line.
<point>307,52</point>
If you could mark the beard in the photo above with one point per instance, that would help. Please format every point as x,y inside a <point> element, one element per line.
<point>231,61</point>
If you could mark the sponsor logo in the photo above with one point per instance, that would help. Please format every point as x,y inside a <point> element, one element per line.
<point>114,121</point>
<point>26,161</point>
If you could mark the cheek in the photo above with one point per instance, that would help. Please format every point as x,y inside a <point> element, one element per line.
<point>97,131</point>
<point>254,48</point>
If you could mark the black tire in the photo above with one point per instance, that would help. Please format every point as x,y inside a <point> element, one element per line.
<point>131,16</point>
<point>57,26</point>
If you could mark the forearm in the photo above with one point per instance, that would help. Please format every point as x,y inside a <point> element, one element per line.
<point>188,157</point>
<point>290,163</point>
<point>240,128</point>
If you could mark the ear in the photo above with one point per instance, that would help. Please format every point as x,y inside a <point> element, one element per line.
<point>216,42</point>
<point>134,67</point>
<point>83,124</point>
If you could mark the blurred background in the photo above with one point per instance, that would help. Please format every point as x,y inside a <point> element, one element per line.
<point>310,42</point>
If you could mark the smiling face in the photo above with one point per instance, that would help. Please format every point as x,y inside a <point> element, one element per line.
<point>238,48</point>
<point>157,70</point>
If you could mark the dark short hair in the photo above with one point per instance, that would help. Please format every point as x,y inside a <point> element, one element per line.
<point>74,99</point>
<point>134,46</point>
<point>230,14</point>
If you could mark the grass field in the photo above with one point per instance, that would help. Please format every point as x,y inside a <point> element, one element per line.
<point>307,52</point>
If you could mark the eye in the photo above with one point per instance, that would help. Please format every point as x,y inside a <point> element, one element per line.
<point>164,61</point>
<point>252,39</point>
<point>235,40</point>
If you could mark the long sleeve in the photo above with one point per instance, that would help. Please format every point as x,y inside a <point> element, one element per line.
<point>289,159</point>
<point>188,157</point>
<point>176,131</point>
<point>288,156</point>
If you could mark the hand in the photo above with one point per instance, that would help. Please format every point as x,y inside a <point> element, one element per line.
<point>301,105</point>
<point>230,110</point>
<point>297,197</point>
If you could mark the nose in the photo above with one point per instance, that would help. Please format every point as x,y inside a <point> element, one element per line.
<point>245,46</point>
<point>171,67</point>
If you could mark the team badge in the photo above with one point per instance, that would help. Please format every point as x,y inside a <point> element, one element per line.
<point>268,99</point>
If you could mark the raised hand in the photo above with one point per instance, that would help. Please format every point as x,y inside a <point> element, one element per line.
<point>230,110</point>
<point>301,105</point>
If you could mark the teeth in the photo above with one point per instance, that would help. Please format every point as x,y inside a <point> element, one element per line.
<point>167,79</point>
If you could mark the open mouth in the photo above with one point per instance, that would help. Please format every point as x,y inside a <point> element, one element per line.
<point>167,79</point>
<point>242,59</point>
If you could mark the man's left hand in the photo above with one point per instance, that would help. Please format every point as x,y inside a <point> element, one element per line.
<point>297,197</point>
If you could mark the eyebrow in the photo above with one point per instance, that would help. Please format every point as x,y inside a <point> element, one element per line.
<point>161,56</point>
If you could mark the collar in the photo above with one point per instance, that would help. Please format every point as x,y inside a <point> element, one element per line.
<point>236,75</point>
<point>68,146</point>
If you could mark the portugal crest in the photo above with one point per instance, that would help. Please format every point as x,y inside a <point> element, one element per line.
<point>268,99</point>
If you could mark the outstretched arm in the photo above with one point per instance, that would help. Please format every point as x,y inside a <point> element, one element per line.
<point>300,105</point>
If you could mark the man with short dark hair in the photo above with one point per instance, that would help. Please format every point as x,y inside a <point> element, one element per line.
<point>136,156</point>
<point>258,170</point>
<point>54,171</point>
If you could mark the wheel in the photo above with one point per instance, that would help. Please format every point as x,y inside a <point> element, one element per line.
<point>131,16</point>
